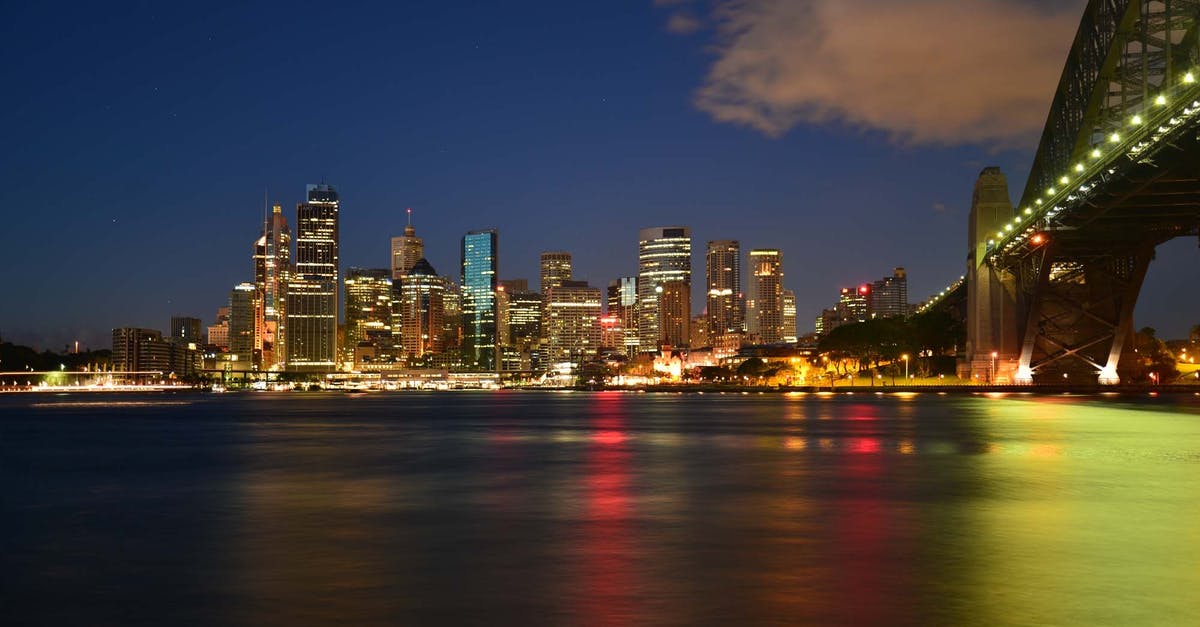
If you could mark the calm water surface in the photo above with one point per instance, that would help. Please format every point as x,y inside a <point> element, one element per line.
<point>605,508</point>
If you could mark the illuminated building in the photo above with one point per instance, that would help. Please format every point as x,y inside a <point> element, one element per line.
<point>452,329</point>
<point>674,313</point>
<point>726,302</point>
<point>854,305</point>
<point>700,336</point>
<point>513,286</point>
<point>789,317</point>
<point>479,282</point>
<point>422,311</point>
<point>664,255</point>
<point>186,345</point>
<point>556,268</point>
<point>623,303</point>
<point>243,327</point>
<point>889,295</point>
<point>406,250</point>
<point>571,322</point>
<point>186,330</point>
<point>764,307</point>
<point>612,333</point>
<point>140,350</point>
<point>312,294</point>
<point>368,311</point>
<point>272,271</point>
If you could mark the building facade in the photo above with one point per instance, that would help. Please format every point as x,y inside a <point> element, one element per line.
<point>272,272</point>
<point>244,324</point>
<point>556,268</point>
<point>479,282</point>
<point>764,308</point>
<point>889,295</point>
<point>664,255</point>
<point>368,312</point>
<point>571,322</point>
<point>789,317</point>
<point>139,350</point>
<point>726,301</point>
<point>675,313</point>
<point>407,249</point>
<point>422,312</point>
<point>312,295</point>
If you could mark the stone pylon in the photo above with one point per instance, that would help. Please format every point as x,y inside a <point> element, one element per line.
<point>992,326</point>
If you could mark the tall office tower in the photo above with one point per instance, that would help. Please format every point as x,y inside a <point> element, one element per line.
<point>765,307</point>
<point>556,268</point>
<point>700,336</point>
<point>675,313</point>
<point>406,250</point>
<point>502,300</point>
<point>186,330</point>
<point>422,311</point>
<point>623,303</point>
<point>479,282</point>
<point>571,322</point>
<point>854,305</point>
<point>272,271</point>
<point>513,286</point>
<point>524,320</point>
<point>452,320</point>
<point>243,324</point>
<point>789,317</point>
<point>312,294</point>
<point>726,302</point>
<point>140,350</point>
<point>889,295</point>
<point>218,334</point>
<point>664,255</point>
<point>368,311</point>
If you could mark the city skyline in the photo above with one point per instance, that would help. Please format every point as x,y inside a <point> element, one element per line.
<point>471,129</point>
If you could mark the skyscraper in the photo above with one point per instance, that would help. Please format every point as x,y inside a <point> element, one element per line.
<point>571,324</point>
<point>726,302</point>
<point>272,271</point>
<point>312,301</point>
<point>186,329</point>
<point>664,254</point>
<point>479,281</point>
<point>789,317</point>
<point>675,313</point>
<point>422,325</point>
<point>368,311</point>
<point>556,268</point>
<point>623,303</point>
<point>406,250</point>
<point>889,295</point>
<point>765,308</point>
<point>243,323</point>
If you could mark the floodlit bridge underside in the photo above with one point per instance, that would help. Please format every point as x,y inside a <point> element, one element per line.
<point>1116,174</point>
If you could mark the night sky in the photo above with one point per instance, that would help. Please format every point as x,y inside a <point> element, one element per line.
<point>140,139</point>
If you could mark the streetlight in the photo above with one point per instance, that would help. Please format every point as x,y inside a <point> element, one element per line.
<point>905,358</point>
<point>993,377</point>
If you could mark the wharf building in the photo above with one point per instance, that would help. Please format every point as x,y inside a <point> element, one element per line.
<point>479,315</point>
<point>726,300</point>
<point>272,272</point>
<point>312,295</point>
<point>764,308</point>
<point>571,323</point>
<point>664,256</point>
<point>369,315</point>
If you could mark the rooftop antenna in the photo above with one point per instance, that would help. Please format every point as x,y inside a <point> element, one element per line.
<point>409,216</point>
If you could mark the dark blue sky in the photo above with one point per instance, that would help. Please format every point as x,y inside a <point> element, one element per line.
<point>139,139</point>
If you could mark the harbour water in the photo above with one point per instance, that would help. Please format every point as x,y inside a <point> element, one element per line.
<point>599,508</point>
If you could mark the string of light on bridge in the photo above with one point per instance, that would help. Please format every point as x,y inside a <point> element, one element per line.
<point>1148,128</point>
<point>940,296</point>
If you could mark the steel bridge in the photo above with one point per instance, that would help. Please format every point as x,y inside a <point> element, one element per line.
<point>1052,282</point>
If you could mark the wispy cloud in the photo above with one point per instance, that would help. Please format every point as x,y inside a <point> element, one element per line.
<point>921,71</point>
<point>683,23</point>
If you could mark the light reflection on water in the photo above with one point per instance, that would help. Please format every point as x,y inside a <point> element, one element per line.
<point>605,508</point>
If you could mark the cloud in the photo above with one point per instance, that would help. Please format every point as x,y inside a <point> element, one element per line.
<point>941,72</point>
<point>939,207</point>
<point>683,23</point>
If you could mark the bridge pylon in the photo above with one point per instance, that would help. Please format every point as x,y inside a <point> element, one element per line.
<point>993,342</point>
